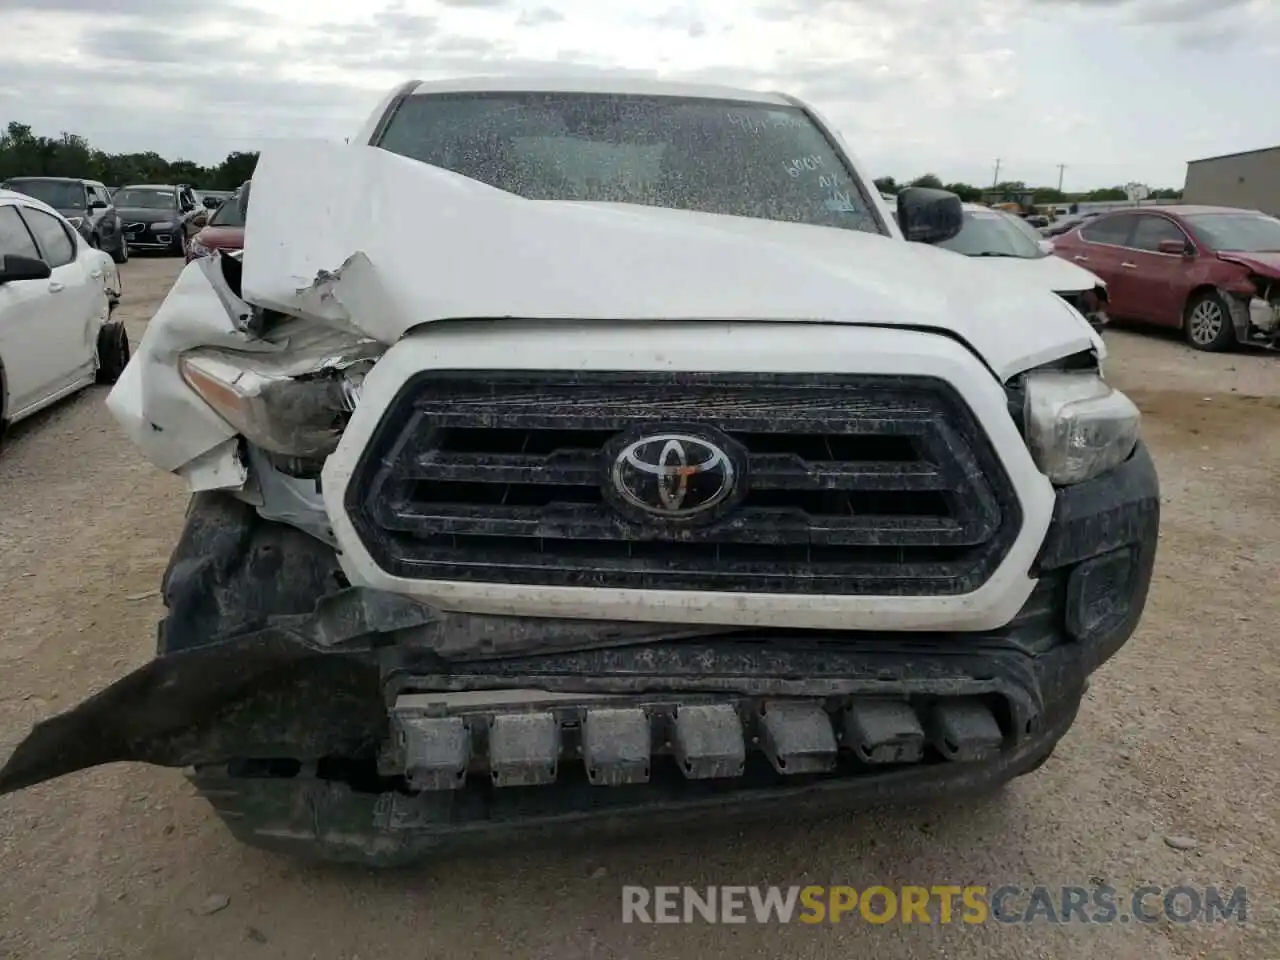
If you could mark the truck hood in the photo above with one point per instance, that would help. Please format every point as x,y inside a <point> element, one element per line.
<point>1049,273</point>
<point>384,244</point>
<point>1266,263</point>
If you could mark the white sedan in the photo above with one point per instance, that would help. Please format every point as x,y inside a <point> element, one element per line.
<point>1009,247</point>
<point>56,298</point>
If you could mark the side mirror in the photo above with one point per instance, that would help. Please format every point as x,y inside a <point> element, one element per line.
<point>13,267</point>
<point>242,201</point>
<point>1174,246</point>
<point>929,215</point>
<point>97,204</point>
<point>212,202</point>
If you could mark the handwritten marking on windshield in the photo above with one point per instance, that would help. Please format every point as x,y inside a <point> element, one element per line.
<point>768,121</point>
<point>838,201</point>
<point>800,164</point>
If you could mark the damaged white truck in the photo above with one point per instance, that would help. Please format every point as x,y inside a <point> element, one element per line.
<point>593,451</point>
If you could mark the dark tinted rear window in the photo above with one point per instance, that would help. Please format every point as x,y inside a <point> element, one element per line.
<point>1152,230</point>
<point>1108,229</point>
<point>59,194</point>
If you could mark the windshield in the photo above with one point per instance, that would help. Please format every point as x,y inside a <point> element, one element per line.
<point>145,197</point>
<point>989,233</point>
<point>1242,232</point>
<point>713,156</point>
<point>59,194</point>
<point>227,215</point>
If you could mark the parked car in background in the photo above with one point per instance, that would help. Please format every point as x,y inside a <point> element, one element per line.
<point>85,203</point>
<point>224,232</point>
<point>152,215</point>
<point>1009,247</point>
<point>1062,225</point>
<point>212,199</point>
<point>56,331</point>
<point>1213,272</point>
<point>192,222</point>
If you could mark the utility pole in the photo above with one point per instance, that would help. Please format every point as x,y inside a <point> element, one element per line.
<point>1061,167</point>
<point>996,178</point>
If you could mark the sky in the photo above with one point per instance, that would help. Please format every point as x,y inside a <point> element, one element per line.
<point>1117,90</point>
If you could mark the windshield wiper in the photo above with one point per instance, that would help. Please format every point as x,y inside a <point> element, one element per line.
<point>996,253</point>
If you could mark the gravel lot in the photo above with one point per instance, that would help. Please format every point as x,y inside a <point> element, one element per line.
<point>1177,738</point>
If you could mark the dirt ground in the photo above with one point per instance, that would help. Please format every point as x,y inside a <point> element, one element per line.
<point>1177,739</point>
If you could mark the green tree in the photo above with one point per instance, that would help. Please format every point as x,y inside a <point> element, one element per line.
<point>235,169</point>
<point>927,180</point>
<point>1011,186</point>
<point>19,150</point>
<point>887,185</point>
<point>1106,193</point>
<point>23,153</point>
<point>1047,195</point>
<point>965,191</point>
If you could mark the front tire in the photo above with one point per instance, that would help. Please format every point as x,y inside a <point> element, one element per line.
<point>121,253</point>
<point>113,352</point>
<point>1207,323</point>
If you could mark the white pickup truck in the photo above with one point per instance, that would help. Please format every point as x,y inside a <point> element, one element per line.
<point>565,450</point>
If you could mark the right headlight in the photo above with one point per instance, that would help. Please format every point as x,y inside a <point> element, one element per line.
<point>1077,425</point>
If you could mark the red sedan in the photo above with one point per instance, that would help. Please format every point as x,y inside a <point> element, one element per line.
<point>224,231</point>
<point>1213,272</point>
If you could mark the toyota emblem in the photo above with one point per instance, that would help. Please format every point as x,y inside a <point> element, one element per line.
<point>675,476</point>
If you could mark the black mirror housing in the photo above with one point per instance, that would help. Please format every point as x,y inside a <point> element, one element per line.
<point>929,215</point>
<point>14,268</point>
<point>97,205</point>
<point>211,203</point>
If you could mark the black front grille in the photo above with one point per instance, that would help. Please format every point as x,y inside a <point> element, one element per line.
<point>856,484</point>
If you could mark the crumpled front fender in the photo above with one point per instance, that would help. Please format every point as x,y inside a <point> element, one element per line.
<point>160,413</point>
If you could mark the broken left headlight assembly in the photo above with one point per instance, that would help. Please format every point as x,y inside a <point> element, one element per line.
<point>295,407</point>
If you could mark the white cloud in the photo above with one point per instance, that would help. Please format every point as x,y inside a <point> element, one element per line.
<point>1115,89</point>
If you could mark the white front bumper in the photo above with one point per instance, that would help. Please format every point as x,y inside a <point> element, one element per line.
<point>721,347</point>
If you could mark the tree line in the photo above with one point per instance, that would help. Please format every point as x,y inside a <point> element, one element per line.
<point>1012,188</point>
<point>23,154</point>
